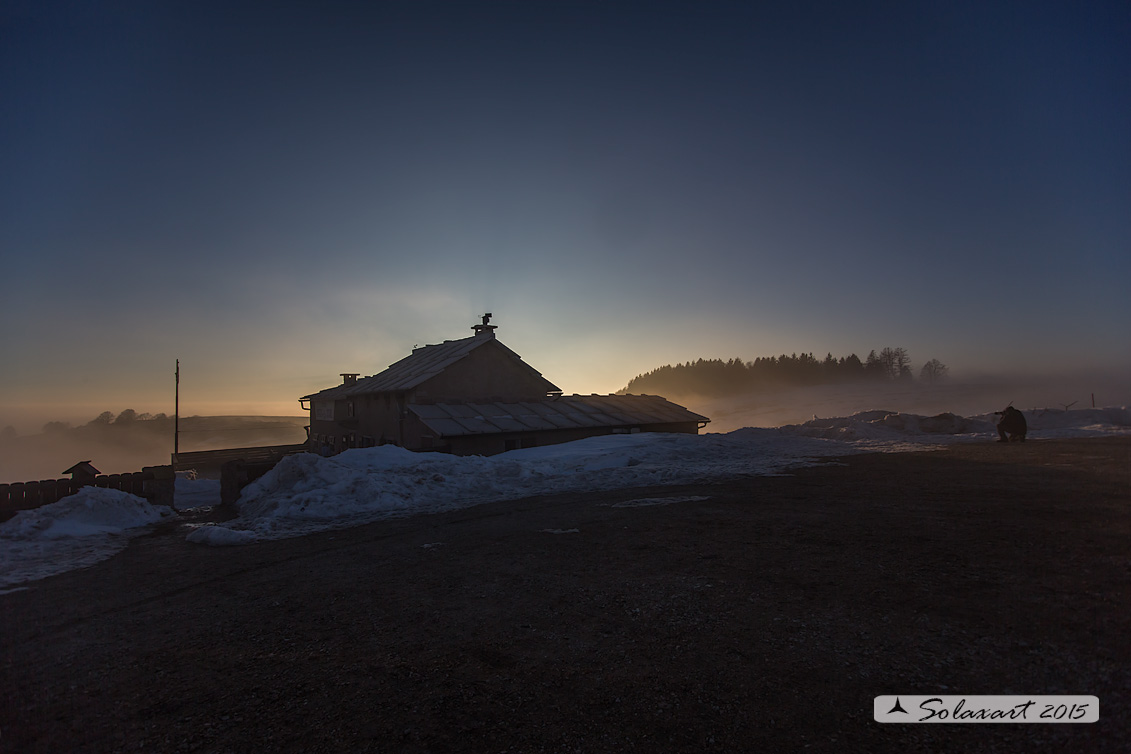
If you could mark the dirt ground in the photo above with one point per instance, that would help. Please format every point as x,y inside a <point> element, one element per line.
<point>764,617</point>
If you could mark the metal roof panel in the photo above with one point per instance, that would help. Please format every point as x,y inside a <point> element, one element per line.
<point>563,412</point>
<point>418,367</point>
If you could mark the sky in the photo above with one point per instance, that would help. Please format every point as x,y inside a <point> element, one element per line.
<point>275,193</point>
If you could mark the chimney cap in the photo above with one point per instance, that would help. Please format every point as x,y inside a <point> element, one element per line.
<point>349,378</point>
<point>485,328</point>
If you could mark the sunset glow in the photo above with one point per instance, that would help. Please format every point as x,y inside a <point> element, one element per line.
<point>278,197</point>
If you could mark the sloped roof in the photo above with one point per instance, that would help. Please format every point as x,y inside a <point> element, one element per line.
<point>83,468</point>
<point>418,367</point>
<point>562,412</point>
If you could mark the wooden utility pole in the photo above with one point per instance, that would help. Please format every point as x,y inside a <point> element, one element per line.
<point>177,417</point>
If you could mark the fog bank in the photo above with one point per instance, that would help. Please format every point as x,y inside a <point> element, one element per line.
<point>967,397</point>
<point>124,447</point>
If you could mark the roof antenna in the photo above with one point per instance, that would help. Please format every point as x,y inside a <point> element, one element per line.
<point>485,328</point>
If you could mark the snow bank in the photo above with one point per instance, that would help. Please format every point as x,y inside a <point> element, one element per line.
<point>890,430</point>
<point>77,531</point>
<point>89,512</point>
<point>1088,422</point>
<point>307,493</point>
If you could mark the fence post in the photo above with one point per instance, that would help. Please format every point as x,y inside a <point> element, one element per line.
<point>16,495</point>
<point>160,486</point>
<point>48,489</point>
<point>233,476</point>
<point>33,494</point>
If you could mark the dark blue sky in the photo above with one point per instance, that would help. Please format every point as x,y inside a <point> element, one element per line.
<point>279,192</point>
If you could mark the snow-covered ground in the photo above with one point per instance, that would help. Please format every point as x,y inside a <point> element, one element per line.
<point>77,531</point>
<point>307,493</point>
<point>196,493</point>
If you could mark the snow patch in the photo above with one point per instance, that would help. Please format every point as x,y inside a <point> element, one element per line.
<point>306,493</point>
<point>77,531</point>
<point>89,512</point>
<point>191,492</point>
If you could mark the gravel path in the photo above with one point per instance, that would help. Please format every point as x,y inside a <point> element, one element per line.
<point>756,615</point>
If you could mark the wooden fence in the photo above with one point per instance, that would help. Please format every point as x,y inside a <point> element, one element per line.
<point>210,461</point>
<point>154,483</point>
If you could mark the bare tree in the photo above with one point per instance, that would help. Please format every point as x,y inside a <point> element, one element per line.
<point>896,362</point>
<point>933,371</point>
<point>903,363</point>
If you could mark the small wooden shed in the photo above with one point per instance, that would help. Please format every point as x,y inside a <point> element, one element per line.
<point>83,471</point>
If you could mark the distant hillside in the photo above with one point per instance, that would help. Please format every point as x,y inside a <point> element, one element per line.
<point>128,441</point>
<point>208,432</point>
<point>717,378</point>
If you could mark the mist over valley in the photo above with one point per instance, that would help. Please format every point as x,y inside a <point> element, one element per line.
<point>782,390</point>
<point>766,392</point>
<point>128,441</point>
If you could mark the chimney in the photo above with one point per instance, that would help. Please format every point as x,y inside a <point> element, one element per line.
<point>349,378</point>
<point>485,329</point>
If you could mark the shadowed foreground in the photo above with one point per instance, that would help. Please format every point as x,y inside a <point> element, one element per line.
<point>765,617</point>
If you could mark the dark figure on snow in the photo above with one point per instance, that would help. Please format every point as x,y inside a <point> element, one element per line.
<point>1012,425</point>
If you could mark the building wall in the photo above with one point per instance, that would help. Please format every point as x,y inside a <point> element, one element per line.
<point>489,445</point>
<point>420,437</point>
<point>370,420</point>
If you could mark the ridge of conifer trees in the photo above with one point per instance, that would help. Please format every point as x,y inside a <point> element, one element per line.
<point>717,377</point>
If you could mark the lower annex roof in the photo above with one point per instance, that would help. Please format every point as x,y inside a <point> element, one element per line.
<point>562,412</point>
